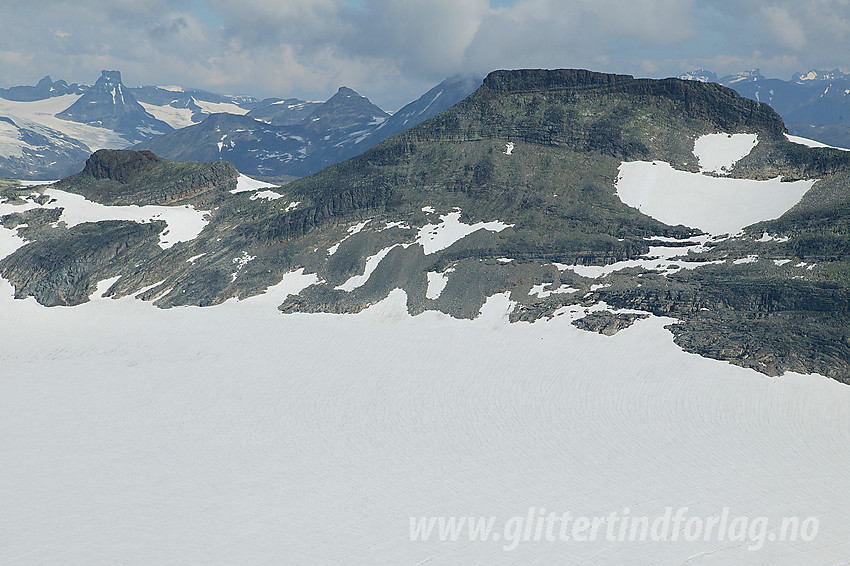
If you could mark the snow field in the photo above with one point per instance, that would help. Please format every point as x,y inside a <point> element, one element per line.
<point>436,237</point>
<point>262,438</point>
<point>713,204</point>
<point>42,114</point>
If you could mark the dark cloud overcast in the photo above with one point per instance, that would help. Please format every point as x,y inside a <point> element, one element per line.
<point>393,50</point>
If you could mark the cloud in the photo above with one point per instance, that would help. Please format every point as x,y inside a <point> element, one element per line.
<point>393,50</point>
<point>784,27</point>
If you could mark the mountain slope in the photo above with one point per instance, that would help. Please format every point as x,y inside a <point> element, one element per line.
<point>109,105</point>
<point>297,138</point>
<point>549,187</point>
<point>814,105</point>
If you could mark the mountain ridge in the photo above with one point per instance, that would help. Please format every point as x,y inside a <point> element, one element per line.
<point>520,189</point>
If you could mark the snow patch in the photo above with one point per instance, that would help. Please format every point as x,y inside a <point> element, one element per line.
<point>244,183</point>
<point>436,237</point>
<point>351,231</point>
<point>436,283</point>
<point>184,223</point>
<point>175,117</point>
<point>712,204</point>
<point>541,291</point>
<point>266,195</point>
<point>240,262</point>
<point>811,143</point>
<point>717,153</point>
<point>752,258</point>
<point>666,259</point>
<point>371,264</point>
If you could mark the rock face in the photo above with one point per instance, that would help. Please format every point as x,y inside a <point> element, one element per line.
<point>120,166</point>
<point>512,190</point>
<point>606,322</point>
<point>122,177</point>
<point>109,104</point>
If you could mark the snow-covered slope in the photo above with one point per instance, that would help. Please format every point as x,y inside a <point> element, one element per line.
<point>237,434</point>
<point>43,112</point>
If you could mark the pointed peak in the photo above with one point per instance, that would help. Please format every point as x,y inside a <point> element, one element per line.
<point>45,81</point>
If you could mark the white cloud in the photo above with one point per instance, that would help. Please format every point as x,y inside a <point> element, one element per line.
<point>785,28</point>
<point>393,50</point>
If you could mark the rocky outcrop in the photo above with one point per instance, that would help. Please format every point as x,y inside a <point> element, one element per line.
<point>121,177</point>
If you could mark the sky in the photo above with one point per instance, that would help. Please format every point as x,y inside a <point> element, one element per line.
<point>392,51</point>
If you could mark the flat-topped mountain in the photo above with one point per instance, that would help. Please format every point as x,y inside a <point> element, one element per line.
<point>598,197</point>
<point>123,177</point>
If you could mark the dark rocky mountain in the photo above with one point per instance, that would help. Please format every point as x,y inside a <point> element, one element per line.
<point>501,193</point>
<point>108,104</point>
<point>284,112</point>
<point>440,98</point>
<point>293,138</point>
<point>330,133</point>
<point>255,147</point>
<point>117,177</point>
<point>45,88</point>
<point>814,105</point>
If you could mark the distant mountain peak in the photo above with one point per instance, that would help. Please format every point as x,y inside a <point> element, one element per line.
<point>110,76</point>
<point>45,88</point>
<point>701,75</point>
<point>109,104</point>
<point>347,108</point>
<point>752,75</point>
<point>818,75</point>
